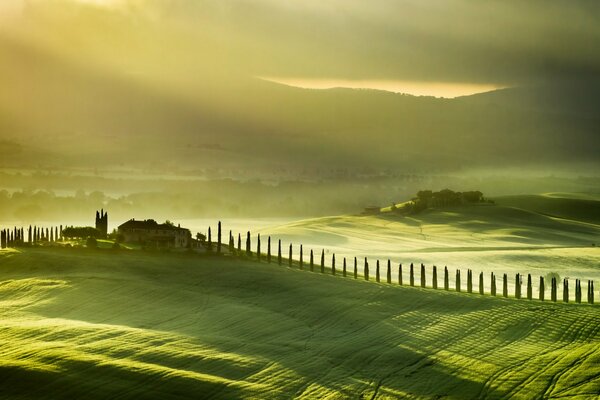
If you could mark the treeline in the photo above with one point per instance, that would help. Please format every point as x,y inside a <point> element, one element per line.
<point>444,198</point>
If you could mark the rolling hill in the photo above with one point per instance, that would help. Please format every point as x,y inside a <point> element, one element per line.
<point>524,234</point>
<point>100,324</point>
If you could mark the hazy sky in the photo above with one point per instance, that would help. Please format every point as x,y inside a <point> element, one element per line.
<point>181,75</point>
<point>500,43</point>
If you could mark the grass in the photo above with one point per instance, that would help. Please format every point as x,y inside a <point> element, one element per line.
<point>80,323</point>
<point>500,239</point>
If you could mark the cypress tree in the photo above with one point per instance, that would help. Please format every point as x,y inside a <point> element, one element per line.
<point>269,249</point>
<point>469,281</point>
<point>344,270</point>
<point>446,279</point>
<point>29,239</point>
<point>258,247</point>
<point>301,262</point>
<point>366,270</point>
<point>553,294</point>
<point>481,283</point>
<point>322,261</point>
<point>505,285</point>
<point>565,290</point>
<point>279,252</point>
<point>47,234</point>
<point>422,275</point>
<point>412,275</point>
<point>239,244</point>
<point>529,288</point>
<point>209,248</point>
<point>219,239</point>
<point>231,243</point>
<point>577,291</point>
<point>518,286</point>
<point>61,233</point>
<point>355,268</point>
<point>248,244</point>
<point>333,264</point>
<point>377,271</point>
<point>56,234</point>
<point>458,280</point>
<point>434,277</point>
<point>400,274</point>
<point>51,235</point>
<point>493,284</point>
<point>312,261</point>
<point>389,271</point>
<point>290,256</point>
<point>542,288</point>
<point>591,295</point>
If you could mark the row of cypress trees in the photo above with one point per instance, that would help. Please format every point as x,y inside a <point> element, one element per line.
<point>19,236</point>
<point>388,275</point>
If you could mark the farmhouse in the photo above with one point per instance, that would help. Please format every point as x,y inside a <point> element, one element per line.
<point>151,233</point>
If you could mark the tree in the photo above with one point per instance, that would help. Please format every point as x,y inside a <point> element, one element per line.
<point>219,238</point>
<point>377,271</point>
<point>389,271</point>
<point>412,275</point>
<point>209,245</point>
<point>355,268</point>
<point>312,261</point>
<point>81,232</point>
<point>366,269</point>
<point>279,252</point>
<point>258,247</point>
<point>400,274</point>
<point>91,243</point>
<point>301,261</point>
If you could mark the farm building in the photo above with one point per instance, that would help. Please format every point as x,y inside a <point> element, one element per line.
<point>151,233</point>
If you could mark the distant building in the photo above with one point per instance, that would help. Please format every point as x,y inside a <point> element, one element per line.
<point>151,233</point>
<point>102,223</point>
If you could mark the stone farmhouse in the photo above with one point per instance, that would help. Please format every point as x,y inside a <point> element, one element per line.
<point>151,233</point>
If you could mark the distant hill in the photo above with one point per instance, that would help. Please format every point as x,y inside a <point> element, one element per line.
<point>566,206</point>
<point>92,116</point>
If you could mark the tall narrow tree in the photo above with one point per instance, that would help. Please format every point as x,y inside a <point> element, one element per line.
<point>422,275</point>
<point>219,238</point>
<point>377,271</point>
<point>248,245</point>
<point>493,284</point>
<point>529,288</point>
<point>505,285</point>
<point>412,275</point>
<point>301,260</point>
<point>458,280</point>
<point>565,290</point>
<point>239,247</point>
<point>400,274</point>
<point>258,247</point>
<point>553,290</point>
<point>366,269</point>
<point>312,261</point>
<point>290,256</point>
<point>209,248</point>
<point>469,281</point>
<point>518,286</point>
<point>269,249</point>
<point>355,268</point>
<point>389,271</point>
<point>446,279</point>
<point>333,264</point>
<point>542,288</point>
<point>323,261</point>
<point>481,283</point>
<point>434,279</point>
<point>344,268</point>
<point>279,252</point>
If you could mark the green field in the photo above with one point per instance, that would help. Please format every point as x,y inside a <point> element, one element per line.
<point>80,323</point>
<point>521,234</point>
